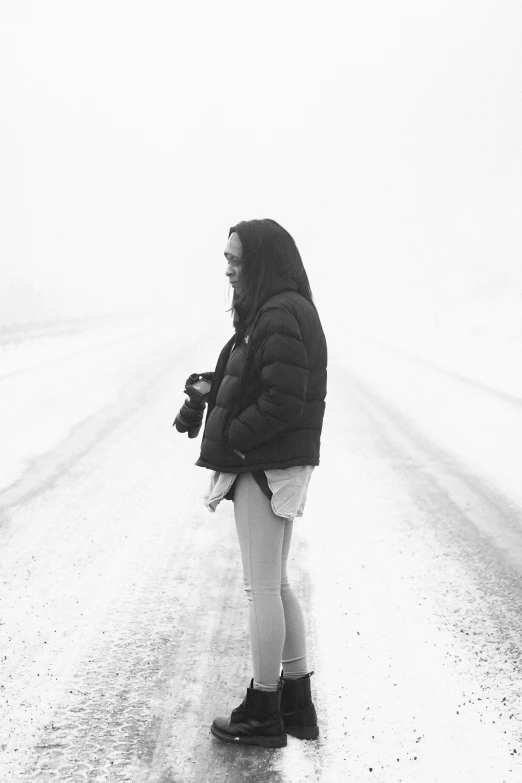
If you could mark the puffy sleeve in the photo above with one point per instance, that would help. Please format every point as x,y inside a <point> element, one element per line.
<point>281,361</point>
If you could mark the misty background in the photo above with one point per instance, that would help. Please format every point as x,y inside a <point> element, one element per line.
<point>386,137</point>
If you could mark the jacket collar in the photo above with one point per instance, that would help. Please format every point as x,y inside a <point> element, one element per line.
<point>277,286</point>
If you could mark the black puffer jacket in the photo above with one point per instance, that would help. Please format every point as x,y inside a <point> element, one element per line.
<point>266,404</point>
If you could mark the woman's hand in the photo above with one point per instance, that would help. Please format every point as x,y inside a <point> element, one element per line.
<point>190,417</point>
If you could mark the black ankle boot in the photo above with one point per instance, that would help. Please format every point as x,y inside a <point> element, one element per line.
<point>297,709</point>
<point>257,721</point>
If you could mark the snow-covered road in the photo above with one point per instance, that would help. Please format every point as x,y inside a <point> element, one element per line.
<point>123,615</point>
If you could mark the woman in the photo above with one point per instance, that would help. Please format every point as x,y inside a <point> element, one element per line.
<point>261,440</point>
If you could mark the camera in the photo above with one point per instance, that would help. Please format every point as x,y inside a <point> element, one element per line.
<point>199,389</point>
<point>190,417</point>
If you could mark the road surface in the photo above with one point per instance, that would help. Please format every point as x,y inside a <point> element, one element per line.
<point>122,607</point>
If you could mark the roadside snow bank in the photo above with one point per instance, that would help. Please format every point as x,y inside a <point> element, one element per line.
<point>478,337</point>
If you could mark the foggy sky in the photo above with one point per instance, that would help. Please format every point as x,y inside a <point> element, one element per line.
<point>385,136</point>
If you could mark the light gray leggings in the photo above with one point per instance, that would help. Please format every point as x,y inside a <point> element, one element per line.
<point>276,625</point>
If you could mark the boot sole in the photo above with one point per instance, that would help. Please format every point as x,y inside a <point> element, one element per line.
<point>303,732</point>
<point>264,742</point>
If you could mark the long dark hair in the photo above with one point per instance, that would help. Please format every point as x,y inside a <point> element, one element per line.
<point>269,253</point>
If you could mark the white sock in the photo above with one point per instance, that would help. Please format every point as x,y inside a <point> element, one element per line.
<point>293,675</point>
<point>260,687</point>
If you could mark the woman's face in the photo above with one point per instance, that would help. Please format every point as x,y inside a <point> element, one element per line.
<point>233,271</point>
